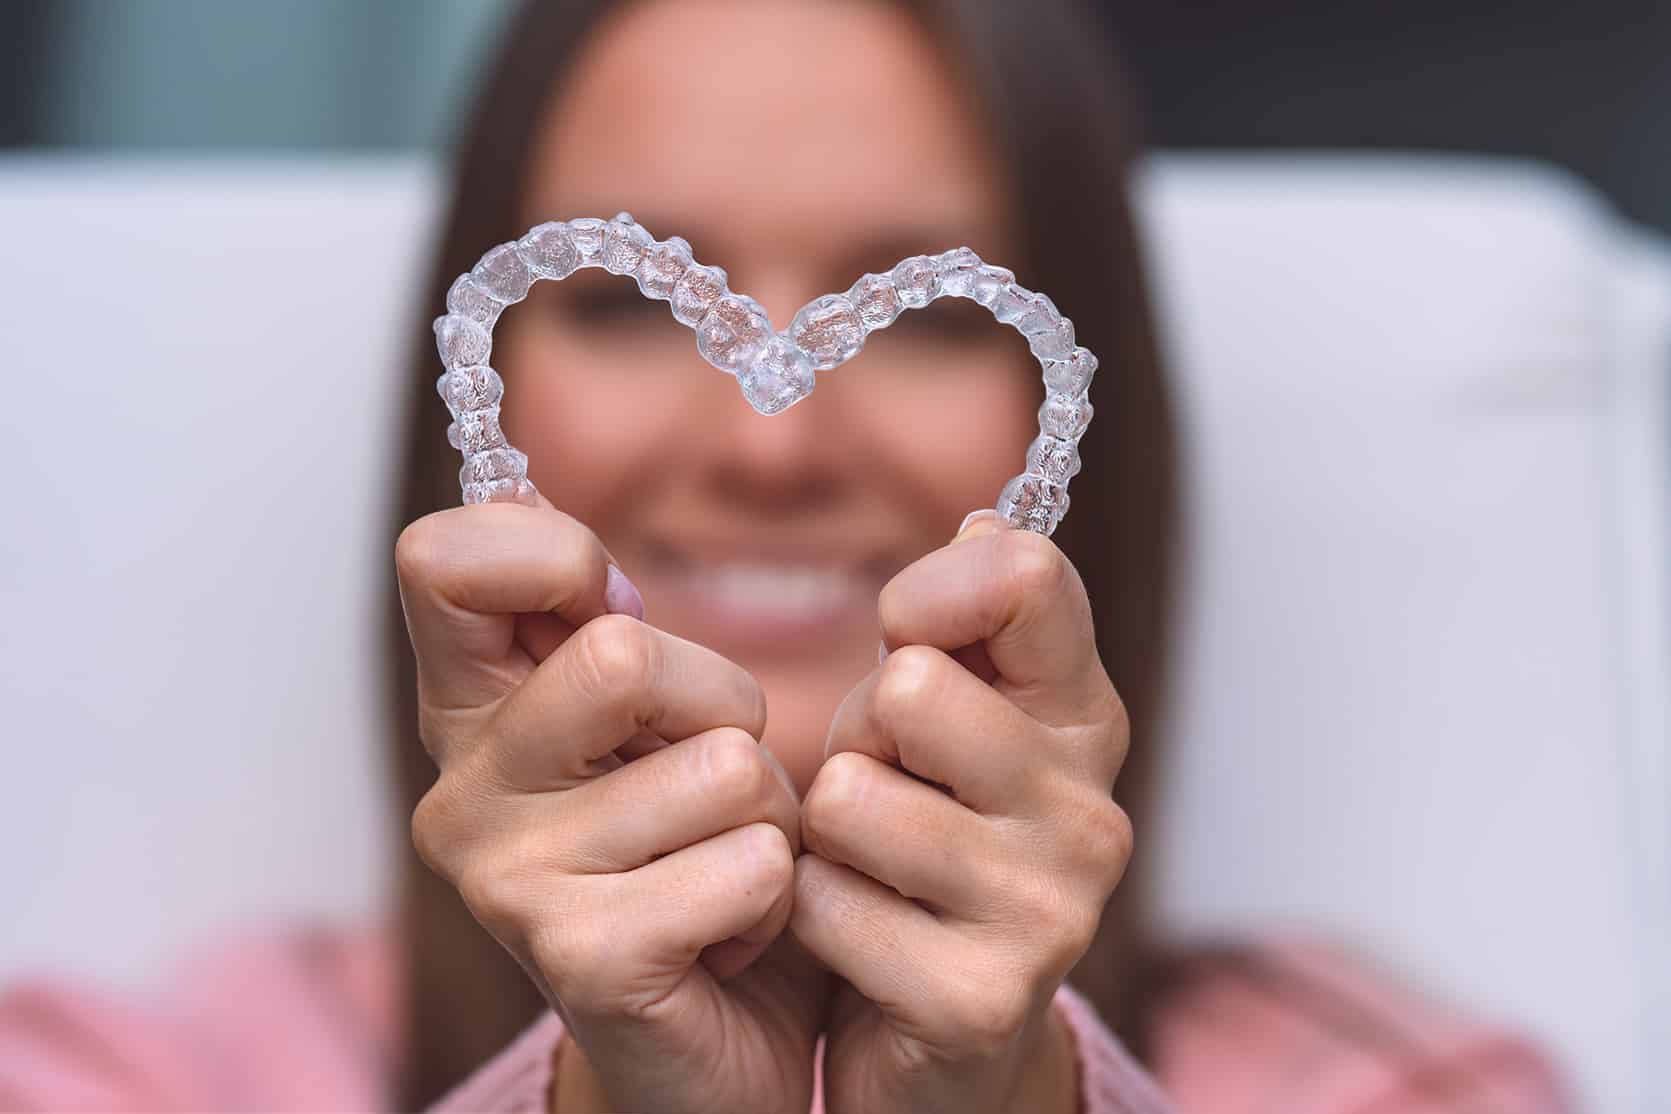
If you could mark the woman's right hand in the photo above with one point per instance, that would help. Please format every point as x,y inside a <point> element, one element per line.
<point>643,886</point>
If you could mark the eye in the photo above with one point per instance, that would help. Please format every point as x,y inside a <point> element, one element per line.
<point>605,305</point>
<point>949,321</point>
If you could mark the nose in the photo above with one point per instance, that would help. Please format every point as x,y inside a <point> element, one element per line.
<point>790,462</point>
<point>794,462</point>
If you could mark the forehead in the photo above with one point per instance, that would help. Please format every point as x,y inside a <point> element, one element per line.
<point>804,124</point>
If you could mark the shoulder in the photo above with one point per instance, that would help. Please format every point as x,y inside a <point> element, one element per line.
<point>1304,1023</point>
<point>291,1017</point>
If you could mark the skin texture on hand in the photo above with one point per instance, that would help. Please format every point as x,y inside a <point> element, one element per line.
<point>960,838</point>
<point>607,812</point>
<point>575,1086</point>
<point>1050,1084</point>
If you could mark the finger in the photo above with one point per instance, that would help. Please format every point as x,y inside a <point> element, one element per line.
<point>1018,593</point>
<point>614,680</point>
<point>671,798</point>
<point>465,573</point>
<point>738,884</point>
<point>885,945</point>
<point>922,711</point>
<point>541,632</point>
<point>733,956</point>
<point>645,742</point>
<point>907,835</point>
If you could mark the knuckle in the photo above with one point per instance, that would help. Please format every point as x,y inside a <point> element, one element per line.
<point>437,829</point>
<point>615,652</point>
<point>1077,941</point>
<point>892,605</point>
<point>733,765</point>
<point>1063,950</point>
<point>495,897</point>
<point>1007,1008</point>
<point>508,884</point>
<point>1111,836</point>
<point>771,860</point>
<point>835,794</point>
<point>1101,841</point>
<point>415,549</point>
<point>1061,920</point>
<point>1034,564</point>
<point>1122,843</point>
<point>1066,924</point>
<point>754,694</point>
<point>987,1015</point>
<point>1118,719</point>
<point>836,789</point>
<point>502,879</point>
<point>904,682</point>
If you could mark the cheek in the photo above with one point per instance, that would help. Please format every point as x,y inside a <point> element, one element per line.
<point>955,433</point>
<point>596,422</point>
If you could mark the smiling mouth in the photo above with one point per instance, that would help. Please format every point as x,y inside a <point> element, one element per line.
<point>764,596</point>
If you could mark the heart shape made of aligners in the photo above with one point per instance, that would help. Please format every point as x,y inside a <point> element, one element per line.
<point>733,333</point>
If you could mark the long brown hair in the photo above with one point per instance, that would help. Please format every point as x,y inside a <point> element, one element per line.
<point>1053,107</point>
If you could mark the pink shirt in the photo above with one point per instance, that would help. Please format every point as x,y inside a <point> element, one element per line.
<point>309,1021</point>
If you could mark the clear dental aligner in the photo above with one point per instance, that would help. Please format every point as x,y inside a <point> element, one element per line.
<point>774,369</point>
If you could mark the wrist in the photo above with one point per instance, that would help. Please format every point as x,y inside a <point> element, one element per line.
<point>575,1087</point>
<point>1049,1076</point>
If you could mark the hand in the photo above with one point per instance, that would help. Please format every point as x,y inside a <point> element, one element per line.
<point>642,885</point>
<point>961,840</point>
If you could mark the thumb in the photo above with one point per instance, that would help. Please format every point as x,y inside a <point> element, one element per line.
<point>976,523</point>
<point>972,657</point>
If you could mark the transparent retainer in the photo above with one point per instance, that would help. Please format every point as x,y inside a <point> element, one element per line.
<point>733,333</point>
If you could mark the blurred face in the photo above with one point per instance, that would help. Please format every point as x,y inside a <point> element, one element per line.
<point>796,145</point>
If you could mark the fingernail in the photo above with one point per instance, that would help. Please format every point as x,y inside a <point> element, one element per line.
<point>971,519</point>
<point>620,595</point>
<point>881,652</point>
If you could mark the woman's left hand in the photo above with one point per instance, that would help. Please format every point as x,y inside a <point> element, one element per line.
<point>960,838</point>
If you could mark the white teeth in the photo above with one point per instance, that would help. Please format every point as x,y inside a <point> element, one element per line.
<point>774,589</point>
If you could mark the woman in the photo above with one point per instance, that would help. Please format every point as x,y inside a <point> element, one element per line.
<point>869,897</point>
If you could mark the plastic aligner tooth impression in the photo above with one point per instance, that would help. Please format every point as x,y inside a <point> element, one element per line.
<point>958,270</point>
<point>876,300</point>
<point>1054,458</point>
<point>829,330</point>
<point>696,292</point>
<point>462,342</point>
<point>587,234</point>
<point>774,370</point>
<point>503,274</point>
<point>1033,503</point>
<point>987,283</point>
<point>470,388</point>
<point>549,250</point>
<point>663,266</point>
<point>734,333</point>
<point>1064,416</point>
<point>624,245</point>
<point>781,376</point>
<point>918,281</point>
<point>466,299</point>
<point>1071,376</point>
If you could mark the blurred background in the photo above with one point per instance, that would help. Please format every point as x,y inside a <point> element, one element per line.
<point>1412,267</point>
<point>1582,86</point>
